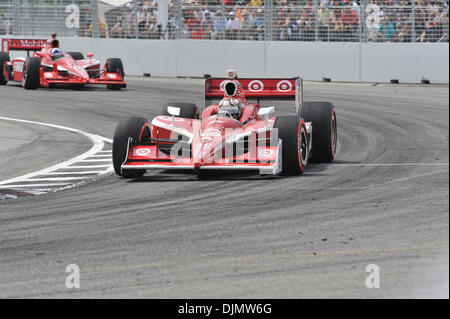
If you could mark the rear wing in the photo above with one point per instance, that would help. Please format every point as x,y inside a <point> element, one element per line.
<point>259,89</point>
<point>23,44</point>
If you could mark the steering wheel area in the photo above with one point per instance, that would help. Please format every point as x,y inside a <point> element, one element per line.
<point>225,113</point>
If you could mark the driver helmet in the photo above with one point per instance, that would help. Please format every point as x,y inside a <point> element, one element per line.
<point>56,53</point>
<point>230,107</point>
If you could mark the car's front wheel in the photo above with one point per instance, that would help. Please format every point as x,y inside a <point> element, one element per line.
<point>294,138</point>
<point>30,73</point>
<point>4,57</point>
<point>139,130</point>
<point>115,65</point>
<point>322,115</point>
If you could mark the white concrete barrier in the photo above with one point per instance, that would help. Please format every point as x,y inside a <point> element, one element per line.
<point>354,62</point>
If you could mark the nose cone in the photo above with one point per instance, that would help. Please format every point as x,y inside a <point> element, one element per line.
<point>205,149</point>
<point>80,72</point>
<point>74,69</point>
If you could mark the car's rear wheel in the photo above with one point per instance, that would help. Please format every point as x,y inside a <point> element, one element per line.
<point>294,137</point>
<point>76,55</point>
<point>115,65</point>
<point>322,115</point>
<point>139,130</point>
<point>4,57</point>
<point>187,110</point>
<point>30,73</point>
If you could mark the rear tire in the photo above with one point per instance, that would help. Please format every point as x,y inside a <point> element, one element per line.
<point>294,137</point>
<point>76,55</point>
<point>115,65</point>
<point>30,74</point>
<point>187,110</point>
<point>138,129</point>
<point>322,115</point>
<point>4,57</point>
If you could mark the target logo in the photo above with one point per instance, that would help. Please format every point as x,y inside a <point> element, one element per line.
<point>284,86</point>
<point>256,86</point>
<point>142,152</point>
<point>265,153</point>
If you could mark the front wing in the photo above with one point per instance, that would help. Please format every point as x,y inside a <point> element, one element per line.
<point>267,160</point>
<point>48,78</point>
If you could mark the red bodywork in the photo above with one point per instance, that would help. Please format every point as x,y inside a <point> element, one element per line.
<point>63,71</point>
<point>216,141</point>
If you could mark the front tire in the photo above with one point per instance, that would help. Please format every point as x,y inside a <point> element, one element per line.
<point>322,115</point>
<point>139,130</point>
<point>4,57</point>
<point>30,74</point>
<point>294,137</point>
<point>115,65</point>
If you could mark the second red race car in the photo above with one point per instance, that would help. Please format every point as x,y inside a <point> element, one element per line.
<point>233,134</point>
<point>50,66</point>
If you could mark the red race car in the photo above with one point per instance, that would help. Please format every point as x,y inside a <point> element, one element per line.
<point>233,134</point>
<point>49,66</point>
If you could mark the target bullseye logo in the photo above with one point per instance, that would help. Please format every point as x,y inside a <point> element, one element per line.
<point>284,86</point>
<point>265,153</point>
<point>256,86</point>
<point>142,152</point>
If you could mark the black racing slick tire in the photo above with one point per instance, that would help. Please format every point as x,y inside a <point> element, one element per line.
<point>139,130</point>
<point>322,115</point>
<point>4,57</point>
<point>187,110</point>
<point>76,55</point>
<point>294,137</point>
<point>30,74</point>
<point>115,65</point>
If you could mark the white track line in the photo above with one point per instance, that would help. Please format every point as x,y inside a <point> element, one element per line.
<point>98,146</point>
<point>90,166</point>
<point>384,164</point>
<point>49,179</point>
<point>96,160</point>
<point>74,173</point>
<point>33,185</point>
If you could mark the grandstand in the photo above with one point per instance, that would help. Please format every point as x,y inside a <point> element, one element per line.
<point>271,20</point>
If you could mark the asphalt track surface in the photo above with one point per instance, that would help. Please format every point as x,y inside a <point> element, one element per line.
<point>384,201</point>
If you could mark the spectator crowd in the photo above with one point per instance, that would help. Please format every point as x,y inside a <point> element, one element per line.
<point>286,20</point>
<point>302,20</point>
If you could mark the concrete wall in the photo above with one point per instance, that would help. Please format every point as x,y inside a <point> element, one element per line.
<point>354,62</point>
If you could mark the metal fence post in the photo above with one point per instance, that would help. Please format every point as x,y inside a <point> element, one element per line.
<point>363,36</point>
<point>95,26</point>
<point>16,8</point>
<point>135,12</point>
<point>316,20</point>
<point>55,11</point>
<point>179,18</point>
<point>413,21</point>
<point>163,12</point>
<point>268,13</point>
<point>224,19</point>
